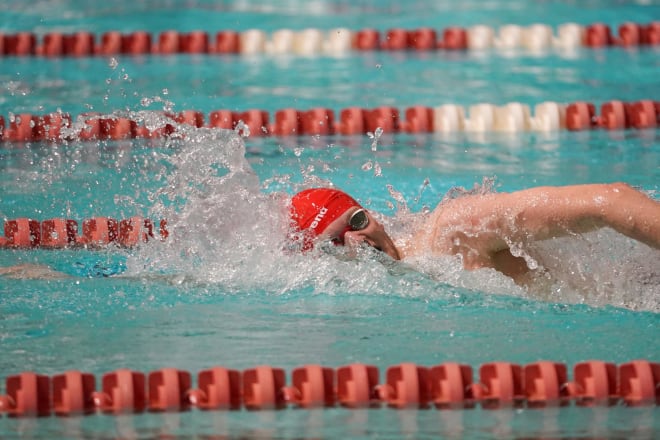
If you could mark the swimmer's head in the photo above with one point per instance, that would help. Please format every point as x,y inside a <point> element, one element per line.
<point>313,210</point>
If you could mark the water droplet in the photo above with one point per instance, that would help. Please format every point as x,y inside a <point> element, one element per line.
<point>377,170</point>
<point>375,136</point>
<point>242,129</point>
<point>113,63</point>
<point>367,166</point>
<point>396,195</point>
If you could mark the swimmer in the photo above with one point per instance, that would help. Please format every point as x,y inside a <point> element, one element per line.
<point>481,229</point>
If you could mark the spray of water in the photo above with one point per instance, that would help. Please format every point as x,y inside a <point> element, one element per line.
<point>228,233</point>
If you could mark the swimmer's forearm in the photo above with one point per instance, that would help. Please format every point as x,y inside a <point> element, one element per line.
<point>553,211</point>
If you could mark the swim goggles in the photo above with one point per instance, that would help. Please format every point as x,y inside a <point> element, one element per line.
<point>356,222</point>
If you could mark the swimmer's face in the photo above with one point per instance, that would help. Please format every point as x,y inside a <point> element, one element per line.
<point>343,231</point>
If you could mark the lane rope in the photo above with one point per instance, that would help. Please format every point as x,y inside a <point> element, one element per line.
<point>405,386</point>
<point>513,117</point>
<point>339,41</point>
<point>59,233</point>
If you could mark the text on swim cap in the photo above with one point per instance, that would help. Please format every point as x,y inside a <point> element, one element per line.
<point>318,217</point>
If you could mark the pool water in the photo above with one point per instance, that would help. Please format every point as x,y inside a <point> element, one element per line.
<point>220,291</point>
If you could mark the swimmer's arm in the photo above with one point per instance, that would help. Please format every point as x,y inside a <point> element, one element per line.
<point>547,212</point>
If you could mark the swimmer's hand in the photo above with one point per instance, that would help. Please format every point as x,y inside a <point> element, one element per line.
<point>31,272</point>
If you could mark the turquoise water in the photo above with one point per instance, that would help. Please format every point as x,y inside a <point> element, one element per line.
<point>270,83</point>
<point>220,292</point>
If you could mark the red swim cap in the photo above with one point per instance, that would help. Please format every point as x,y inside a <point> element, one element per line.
<point>314,209</point>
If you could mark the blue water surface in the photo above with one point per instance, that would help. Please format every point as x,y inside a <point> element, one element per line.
<point>93,321</point>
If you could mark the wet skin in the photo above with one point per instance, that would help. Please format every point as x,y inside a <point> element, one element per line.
<point>482,228</point>
<point>374,234</point>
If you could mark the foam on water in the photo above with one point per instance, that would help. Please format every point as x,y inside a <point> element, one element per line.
<point>226,230</point>
<point>599,268</point>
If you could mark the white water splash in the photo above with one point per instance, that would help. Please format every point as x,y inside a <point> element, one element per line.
<point>598,268</point>
<point>373,164</point>
<point>242,129</point>
<point>375,136</point>
<point>226,231</point>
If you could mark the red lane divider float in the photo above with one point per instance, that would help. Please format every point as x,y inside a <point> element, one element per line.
<point>448,118</point>
<point>407,385</point>
<point>96,232</point>
<point>335,41</point>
